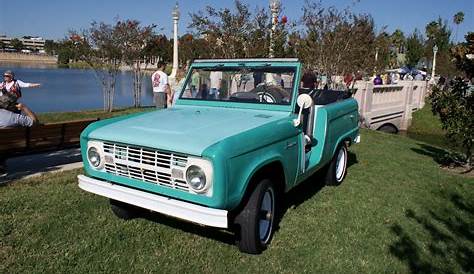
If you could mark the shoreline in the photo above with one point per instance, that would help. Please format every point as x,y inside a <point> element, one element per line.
<point>27,59</point>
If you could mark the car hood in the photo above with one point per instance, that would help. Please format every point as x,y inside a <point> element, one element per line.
<point>184,129</point>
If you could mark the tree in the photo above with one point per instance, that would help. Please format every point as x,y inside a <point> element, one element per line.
<point>336,42</point>
<point>398,40</point>
<point>191,48</point>
<point>99,47</point>
<point>16,44</point>
<point>438,33</point>
<point>461,53</point>
<point>383,45</point>
<point>50,47</point>
<point>455,104</point>
<point>133,40</point>
<point>455,107</point>
<point>158,47</point>
<point>2,45</point>
<point>458,18</point>
<point>415,49</point>
<point>233,33</point>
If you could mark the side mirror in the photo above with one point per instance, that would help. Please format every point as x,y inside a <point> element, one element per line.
<point>304,101</point>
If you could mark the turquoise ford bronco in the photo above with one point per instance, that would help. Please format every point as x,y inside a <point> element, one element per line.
<point>241,134</point>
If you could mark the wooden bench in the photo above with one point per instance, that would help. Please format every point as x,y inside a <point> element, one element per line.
<point>41,138</point>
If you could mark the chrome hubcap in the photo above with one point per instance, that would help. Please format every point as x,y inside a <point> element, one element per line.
<point>341,164</point>
<point>266,215</point>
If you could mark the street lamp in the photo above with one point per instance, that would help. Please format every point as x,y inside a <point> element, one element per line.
<point>175,14</point>
<point>275,9</point>
<point>433,68</point>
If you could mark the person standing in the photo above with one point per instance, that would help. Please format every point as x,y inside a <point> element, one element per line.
<point>12,86</point>
<point>216,84</point>
<point>161,87</point>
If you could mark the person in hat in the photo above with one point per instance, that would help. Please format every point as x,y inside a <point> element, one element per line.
<point>12,86</point>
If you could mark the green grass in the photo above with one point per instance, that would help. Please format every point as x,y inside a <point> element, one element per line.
<point>396,212</point>
<point>427,128</point>
<point>53,117</point>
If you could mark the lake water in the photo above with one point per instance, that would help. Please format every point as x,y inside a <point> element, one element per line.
<point>74,89</point>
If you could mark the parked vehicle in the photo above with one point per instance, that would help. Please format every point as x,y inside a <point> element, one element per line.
<point>225,155</point>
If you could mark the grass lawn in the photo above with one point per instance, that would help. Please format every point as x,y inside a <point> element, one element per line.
<point>426,127</point>
<point>70,116</point>
<point>396,212</point>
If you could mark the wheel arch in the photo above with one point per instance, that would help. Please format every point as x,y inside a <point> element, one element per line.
<point>388,125</point>
<point>272,169</point>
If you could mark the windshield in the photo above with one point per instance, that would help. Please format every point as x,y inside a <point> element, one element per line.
<point>258,85</point>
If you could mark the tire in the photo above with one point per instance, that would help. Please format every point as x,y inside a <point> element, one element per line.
<point>337,169</point>
<point>255,228</point>
<point>388,129</point>
<point>122,210</point>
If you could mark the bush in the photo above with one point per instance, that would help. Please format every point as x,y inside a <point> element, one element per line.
<point>455,107</point>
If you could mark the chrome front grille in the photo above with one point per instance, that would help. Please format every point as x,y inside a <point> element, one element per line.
<point>145,164</point>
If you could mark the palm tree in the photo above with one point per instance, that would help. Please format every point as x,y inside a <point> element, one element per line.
<point>458,18</point>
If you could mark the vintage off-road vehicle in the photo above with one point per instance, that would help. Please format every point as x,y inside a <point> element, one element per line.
<point>241,134</point>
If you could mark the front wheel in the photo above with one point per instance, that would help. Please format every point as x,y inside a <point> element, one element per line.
<point>257,219</point>
<point>337,168</point>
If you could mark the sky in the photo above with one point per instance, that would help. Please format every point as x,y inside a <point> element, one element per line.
<point>51,19</point>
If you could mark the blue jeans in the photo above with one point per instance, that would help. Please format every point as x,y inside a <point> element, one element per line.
<point>214,93</point>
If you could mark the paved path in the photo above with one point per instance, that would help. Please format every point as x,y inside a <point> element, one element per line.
<point>37,164</point>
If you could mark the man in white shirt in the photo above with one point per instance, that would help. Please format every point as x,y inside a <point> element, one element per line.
<point>12,86</point>
<point>161,87</point>
<point>216,84</point>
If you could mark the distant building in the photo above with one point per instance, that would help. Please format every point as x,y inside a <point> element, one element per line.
<point>32,43</point>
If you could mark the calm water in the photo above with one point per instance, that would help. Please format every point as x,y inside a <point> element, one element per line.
<point>73,89</point>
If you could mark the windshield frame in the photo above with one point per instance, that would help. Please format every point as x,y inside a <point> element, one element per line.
<point>296,66</point>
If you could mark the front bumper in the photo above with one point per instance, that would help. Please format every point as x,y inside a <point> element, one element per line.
<point>172,207</point>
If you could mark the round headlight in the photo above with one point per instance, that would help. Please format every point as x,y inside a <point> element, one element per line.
<point>196,178</point>
<point>94,157</point>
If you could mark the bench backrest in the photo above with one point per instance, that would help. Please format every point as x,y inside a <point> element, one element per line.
<point>42,137</point>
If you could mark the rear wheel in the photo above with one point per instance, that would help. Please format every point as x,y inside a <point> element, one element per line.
<point>256,221</point>
<point>123,210</point>
<point>337,168</point>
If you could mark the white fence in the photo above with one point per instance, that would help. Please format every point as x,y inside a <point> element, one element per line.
<point>390,105</point>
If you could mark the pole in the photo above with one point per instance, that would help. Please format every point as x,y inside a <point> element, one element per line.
<point>175,15</point>
<point>275,9</point>
<point>433,69</point>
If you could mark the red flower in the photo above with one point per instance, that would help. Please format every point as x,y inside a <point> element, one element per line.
<point>284,19</point>
<point>75,38</point>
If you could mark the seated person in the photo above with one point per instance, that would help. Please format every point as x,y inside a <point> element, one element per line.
<point>10,119</point>
<point>26,118</point>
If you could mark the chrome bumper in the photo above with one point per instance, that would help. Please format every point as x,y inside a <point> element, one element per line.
<point>172,207</point>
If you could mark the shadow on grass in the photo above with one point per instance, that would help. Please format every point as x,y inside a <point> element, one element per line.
<point>298,195</point>
<point>450,239</point>
<point>437,154</point>
<point>24,166</point>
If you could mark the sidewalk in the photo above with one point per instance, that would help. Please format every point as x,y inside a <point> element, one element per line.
<point>34,165</point>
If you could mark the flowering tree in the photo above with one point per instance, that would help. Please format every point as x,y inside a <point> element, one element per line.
<point>335,41</point>
<point>233,33</point>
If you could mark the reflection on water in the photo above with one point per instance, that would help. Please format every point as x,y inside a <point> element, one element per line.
<point>73,89</point>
